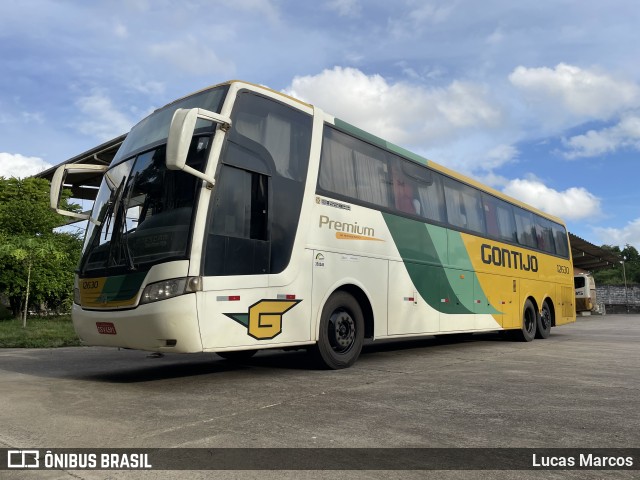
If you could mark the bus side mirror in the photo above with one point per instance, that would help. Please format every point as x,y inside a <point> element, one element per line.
<point>183,126</point>
<point>57,183</point>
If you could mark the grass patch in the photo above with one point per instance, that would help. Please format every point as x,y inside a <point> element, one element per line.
<point>41,332</point>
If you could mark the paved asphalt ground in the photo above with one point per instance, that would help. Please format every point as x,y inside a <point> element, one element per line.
<point>579,388</point>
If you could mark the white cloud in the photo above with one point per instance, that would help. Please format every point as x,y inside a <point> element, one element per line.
<point>32,117</point>
<point>345,8</point>
<point>22,117</point>
<point>430,13</point>
<point>418,20</point>
<point>629,234</point>
<point>263,8</point>
<point>101,118</point>
<point>120,30</point>
<point>500,155</point>
<point>16,165</point>
<point>575,203</point>
<point>598,142</point>
<point>400,112</point>
<point>568,90</point>
<point>191,56</point>
<point>496,37</point>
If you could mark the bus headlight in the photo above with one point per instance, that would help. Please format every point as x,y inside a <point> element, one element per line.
<point>170,288</point>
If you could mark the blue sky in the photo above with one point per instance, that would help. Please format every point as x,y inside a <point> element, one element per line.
<point>538,99</point>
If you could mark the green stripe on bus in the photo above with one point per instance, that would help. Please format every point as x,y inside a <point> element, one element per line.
<point>367,137</point>
<point>474,298</point>
<point>424,251</point>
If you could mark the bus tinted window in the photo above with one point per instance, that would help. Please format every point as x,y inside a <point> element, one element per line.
<point>560,237</point>
<point>284,132</point>
<point>544,235</point>
<point>499,218</point>
<point>525,228</point>
<point>354,169</point>
<point>418,190</point>
<point>358,170</point>
<point>464,208</point>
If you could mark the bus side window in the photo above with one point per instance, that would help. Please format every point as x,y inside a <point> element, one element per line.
<point>464,207</point>
<point>354,169</point>
<point>525,228</point>
<point>499,218</point>
<point>544,234</point>
<point>284,132</point>
<point>422,190</point>
<point>491,217</point>
<point>404,194</point>
<point>560,237</point>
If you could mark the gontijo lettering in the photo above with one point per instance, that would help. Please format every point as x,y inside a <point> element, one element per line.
<point>503,257</point>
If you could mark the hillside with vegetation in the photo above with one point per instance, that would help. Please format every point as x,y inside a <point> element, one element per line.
<point>616,274</point>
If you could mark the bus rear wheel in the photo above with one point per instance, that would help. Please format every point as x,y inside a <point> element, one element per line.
<point>529,322</point>
<point>341,332</point>
<point>545,320</point>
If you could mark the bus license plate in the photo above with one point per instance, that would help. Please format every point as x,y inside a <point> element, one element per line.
<point>106,328</point>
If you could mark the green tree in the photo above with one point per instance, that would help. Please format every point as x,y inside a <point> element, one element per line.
<point>616,274</point>
<point>37,263</point>
<point>631,264</point>
<point>32,251</point>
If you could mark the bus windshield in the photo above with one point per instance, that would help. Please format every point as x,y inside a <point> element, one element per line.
<point>143,212</point>
<point>154,129</point>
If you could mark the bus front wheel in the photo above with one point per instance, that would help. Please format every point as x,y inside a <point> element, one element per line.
<point>341,332</point>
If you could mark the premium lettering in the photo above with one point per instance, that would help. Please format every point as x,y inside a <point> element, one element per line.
<point>346,227</point>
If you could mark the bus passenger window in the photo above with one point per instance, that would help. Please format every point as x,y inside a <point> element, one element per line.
<point>404,195</point>
<point>354,169</point>
<point>560,237</point>
<point>464,207</point>
<point>525,228</point>
<point>285,133</point>
<point>544,235</point>
<point>499,218</point>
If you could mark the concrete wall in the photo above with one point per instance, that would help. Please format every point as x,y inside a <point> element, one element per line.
<point>615,300</point>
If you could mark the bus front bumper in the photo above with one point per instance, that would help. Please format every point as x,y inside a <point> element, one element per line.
<point>169,325</point>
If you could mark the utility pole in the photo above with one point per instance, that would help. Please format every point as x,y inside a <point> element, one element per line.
<point>624,274</point>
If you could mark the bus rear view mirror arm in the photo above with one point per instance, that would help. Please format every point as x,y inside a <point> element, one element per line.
<point>57,183</point>
<point>183,125</point>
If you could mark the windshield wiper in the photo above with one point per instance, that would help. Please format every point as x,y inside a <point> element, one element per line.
<point>103,225</point>
<point>124,235</point>
<point>119,229</point>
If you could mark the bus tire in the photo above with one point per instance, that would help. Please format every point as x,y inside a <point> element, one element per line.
<point>238,355</point>
<point>341,332</point>
<point>529,322</point>
<point>545,320</point>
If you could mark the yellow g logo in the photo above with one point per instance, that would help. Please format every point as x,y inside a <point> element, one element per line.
<point>264,320</point>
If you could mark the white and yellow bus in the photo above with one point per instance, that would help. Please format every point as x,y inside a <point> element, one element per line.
<point>238,218</point>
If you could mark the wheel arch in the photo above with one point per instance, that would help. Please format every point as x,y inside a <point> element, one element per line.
<point>365,304</point>
<point>536,304</point>
<point>361,296</point>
